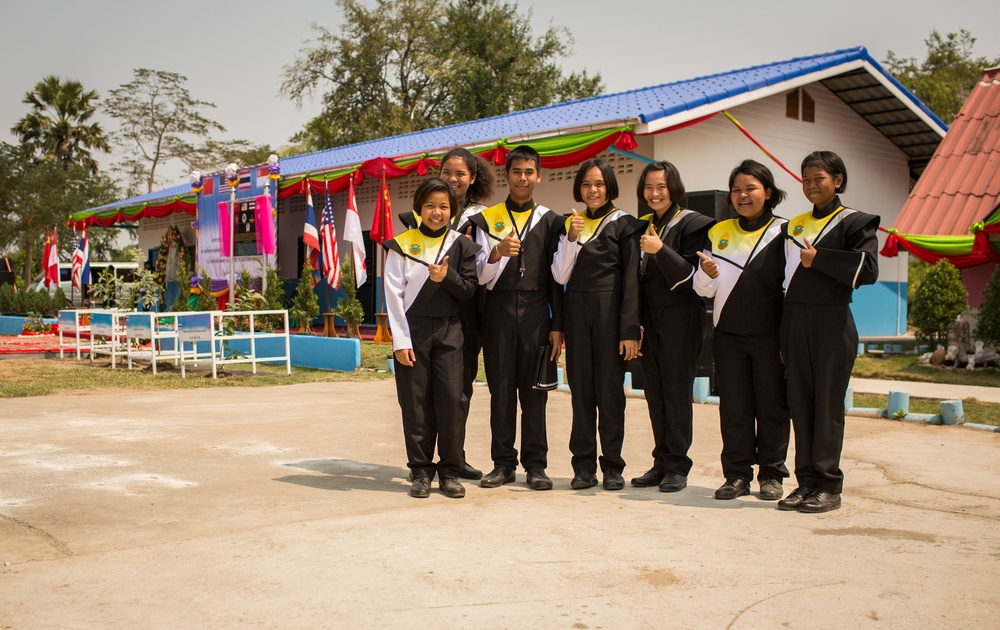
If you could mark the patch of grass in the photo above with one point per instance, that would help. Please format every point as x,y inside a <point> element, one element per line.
<point>975,411</point>
<point>905,368</point>
<point>42,377</point>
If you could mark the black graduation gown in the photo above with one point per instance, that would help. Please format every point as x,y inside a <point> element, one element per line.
<point>520,310</point>
<point>424,316</point>
<point>748,293</point>
<point>601,309</point>
<point>673,319</point>
<point>819,340</point>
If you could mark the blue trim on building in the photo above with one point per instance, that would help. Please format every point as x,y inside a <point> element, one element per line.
<point>874,308</point>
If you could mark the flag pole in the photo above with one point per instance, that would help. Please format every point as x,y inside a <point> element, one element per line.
<point>382,334</point>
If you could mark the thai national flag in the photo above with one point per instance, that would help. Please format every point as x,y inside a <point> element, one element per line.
<point>310,238</point>
<point>328,236</point>
<point>244,180</point>
<point>80,266</point>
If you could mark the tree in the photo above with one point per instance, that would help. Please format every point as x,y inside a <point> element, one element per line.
<point>944,79</point>
<point>306,305</point>
<point>988,328</point>
<point>408,65</point>
<point>36,195</point>
<point>58,126</point>
<point>159,121</point>
<point>938,301</point>
<point>349,308</point>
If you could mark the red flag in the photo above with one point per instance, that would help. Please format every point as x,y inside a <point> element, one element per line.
<point>52,262</point>
<point>45,257</point>
<point>382,224</point>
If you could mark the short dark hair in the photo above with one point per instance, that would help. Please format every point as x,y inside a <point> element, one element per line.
<point>829,162</point>
<point>486,178</point>
<point>608,173</point>
<point>432,185</point>
<point>526,153</point>
<point>674,184</point>
<point>761,173</point>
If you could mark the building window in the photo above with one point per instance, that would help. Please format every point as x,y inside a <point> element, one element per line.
<point>800,106</point>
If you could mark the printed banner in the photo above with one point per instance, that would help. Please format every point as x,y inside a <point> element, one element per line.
<point>102,324</point>
<point>139,326</point>
<point>194,327</point>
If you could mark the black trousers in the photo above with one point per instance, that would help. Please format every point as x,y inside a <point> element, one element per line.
<point>470,315</point>
<point>515,324</point>
<point>819,343</point>
<point>753,408</point>
<point>596,372</point>
<point>431,399</point>
<point>672,340</point>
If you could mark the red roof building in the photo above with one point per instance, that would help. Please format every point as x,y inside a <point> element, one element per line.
<point>960,187</point>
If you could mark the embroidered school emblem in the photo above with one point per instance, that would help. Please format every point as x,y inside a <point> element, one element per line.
<point>498,224</point>
<point>724,241</point>
<point>415,247</point>
<point>801,225</point>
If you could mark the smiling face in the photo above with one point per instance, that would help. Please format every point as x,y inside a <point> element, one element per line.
<point>435,211</point>
<point>522,177</point>
<point>593,190</point>
<point>656,193</point>
<point>819,186</point>
<point>748,196</point>
<point>456,173</point>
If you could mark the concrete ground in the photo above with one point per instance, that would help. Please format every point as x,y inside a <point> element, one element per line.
<point>286,507</point>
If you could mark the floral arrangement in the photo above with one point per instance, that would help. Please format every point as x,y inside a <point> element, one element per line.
<point>273,168</point>
<point>35,325</point>
<point>172,237</point>
<point>197,182</point>
<point>233,175</point>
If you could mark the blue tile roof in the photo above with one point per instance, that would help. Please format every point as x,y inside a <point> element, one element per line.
<point>644,105</point>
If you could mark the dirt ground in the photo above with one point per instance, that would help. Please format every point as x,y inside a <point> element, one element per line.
<point>286,507</point>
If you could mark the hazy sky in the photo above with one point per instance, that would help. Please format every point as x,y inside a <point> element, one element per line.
<point>233,52</point>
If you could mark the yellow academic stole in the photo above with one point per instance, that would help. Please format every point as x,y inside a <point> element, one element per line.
<point>805,226</point>
<point>499,224</point>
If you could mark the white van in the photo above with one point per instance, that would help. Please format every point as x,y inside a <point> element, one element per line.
<point>126,272</point>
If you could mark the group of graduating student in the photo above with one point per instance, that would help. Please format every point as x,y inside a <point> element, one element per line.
<point>517,279</point>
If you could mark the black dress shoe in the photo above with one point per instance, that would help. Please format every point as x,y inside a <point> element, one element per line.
<point>673,482</point>
<point>583,480</point>
<point>498,477</point>
<point>733,488</point>
<point>468,472</point>
<point>795,499</point>
<point>820,501</point>
<point>648,479</point>
<point>771,490</point>
<point>451,488</point>
<point>420,488</point>
<point>613,480</point>
<point>538,480</point>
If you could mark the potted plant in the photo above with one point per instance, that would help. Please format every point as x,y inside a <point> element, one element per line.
<point>349,307</point>
<point>306,305</point>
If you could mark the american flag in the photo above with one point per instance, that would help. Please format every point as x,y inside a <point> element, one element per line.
<point>328,236</point>
<point>310,238</point>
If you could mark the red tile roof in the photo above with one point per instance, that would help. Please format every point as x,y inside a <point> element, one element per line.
<point>961,184</point>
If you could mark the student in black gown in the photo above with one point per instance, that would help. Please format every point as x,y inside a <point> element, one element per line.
<point>744,271</point>
<point>831,250</point>
<point>472,180</point>
<point>673,320</point>
<point>429,271</point>
<point>523,312</point>
<point>598,261</point>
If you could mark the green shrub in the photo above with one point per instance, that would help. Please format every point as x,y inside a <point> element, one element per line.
<point>988,328</point>
<point>938,301</point>
<point>306,304</point>
<point>59,300</point>
<point>7,298</point>
<point>19,303</point>
<point>349,308</point>
<point>205,300</point>
<point>43,302</point>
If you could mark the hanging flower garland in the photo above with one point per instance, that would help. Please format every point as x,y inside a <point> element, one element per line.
<point>172,237</point>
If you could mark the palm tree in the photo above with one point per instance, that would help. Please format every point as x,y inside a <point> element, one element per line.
<point>57,125</point>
